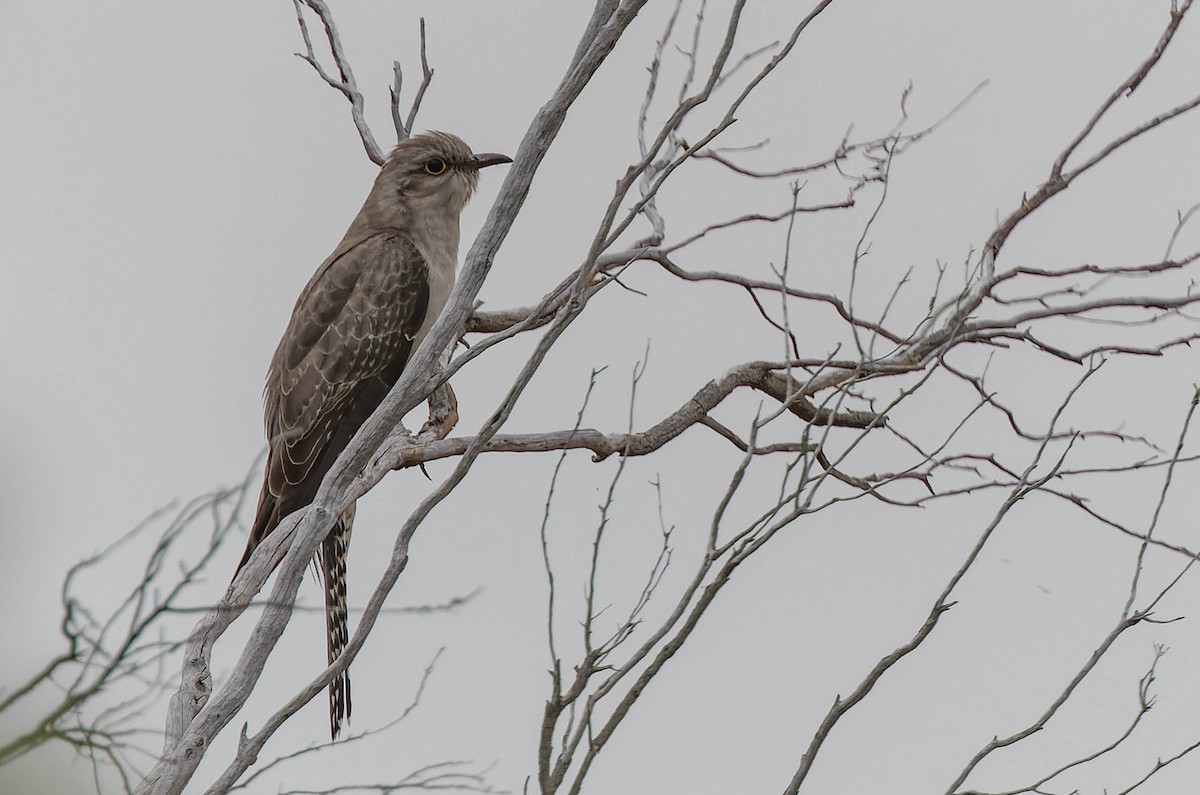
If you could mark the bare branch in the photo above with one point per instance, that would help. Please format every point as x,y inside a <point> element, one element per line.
<point>345,82</point>
<point>113,669</point>
<point>1125,89</point>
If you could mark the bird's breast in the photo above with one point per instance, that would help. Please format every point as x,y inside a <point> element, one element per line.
<point>441,283</point>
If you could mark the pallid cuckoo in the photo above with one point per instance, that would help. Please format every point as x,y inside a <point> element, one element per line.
<point>362,314</point>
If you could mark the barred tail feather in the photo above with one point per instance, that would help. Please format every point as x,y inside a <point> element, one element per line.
<point>333,567</point>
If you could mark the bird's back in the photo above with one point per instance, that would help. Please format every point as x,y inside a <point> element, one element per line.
<point>347,342</point>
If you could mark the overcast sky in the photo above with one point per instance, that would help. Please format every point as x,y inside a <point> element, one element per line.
<point>172,174</point>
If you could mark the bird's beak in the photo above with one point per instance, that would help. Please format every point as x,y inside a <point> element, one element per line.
<point>489,159</point>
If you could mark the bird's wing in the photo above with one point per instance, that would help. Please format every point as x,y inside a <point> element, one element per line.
<point>348,340</point>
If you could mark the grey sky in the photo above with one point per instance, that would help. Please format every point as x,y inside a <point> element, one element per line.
<point>173,174</point>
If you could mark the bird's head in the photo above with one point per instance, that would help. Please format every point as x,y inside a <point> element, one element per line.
<point>433,172</point>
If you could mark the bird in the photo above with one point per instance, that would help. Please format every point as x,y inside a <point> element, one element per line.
<point>353,328</point>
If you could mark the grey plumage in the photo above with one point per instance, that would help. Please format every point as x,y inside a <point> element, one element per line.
<point>351,333</point>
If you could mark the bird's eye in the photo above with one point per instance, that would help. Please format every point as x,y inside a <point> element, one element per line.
<point>435,166</point>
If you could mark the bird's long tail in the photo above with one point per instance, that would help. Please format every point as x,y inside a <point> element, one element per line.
<point>333,567</point>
